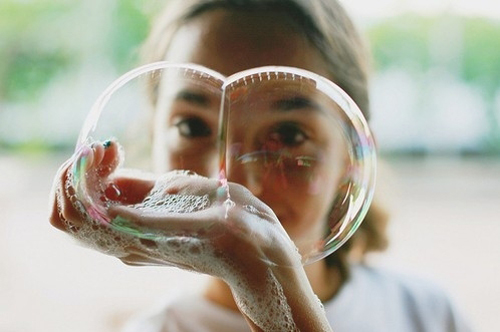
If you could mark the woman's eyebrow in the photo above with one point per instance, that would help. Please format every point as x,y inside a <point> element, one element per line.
<point>192,97</point>
<point>296,103</point>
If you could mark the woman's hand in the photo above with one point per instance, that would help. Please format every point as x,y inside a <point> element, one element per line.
<point>147,222</point>
<point>167,220</point>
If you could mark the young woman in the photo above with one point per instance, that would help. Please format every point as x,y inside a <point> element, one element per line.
<point>262,285</point>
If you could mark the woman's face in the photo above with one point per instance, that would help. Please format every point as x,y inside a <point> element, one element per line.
<point>229,42</point>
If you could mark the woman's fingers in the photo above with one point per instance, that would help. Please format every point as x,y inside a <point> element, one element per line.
<point>168,221</point>
<point>62,210</point>
<point>110,158</point>
<point>103,158</point>
<point>97,161</point>
<point>89,166</point>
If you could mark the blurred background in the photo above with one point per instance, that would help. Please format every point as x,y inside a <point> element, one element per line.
<point>436,115</point>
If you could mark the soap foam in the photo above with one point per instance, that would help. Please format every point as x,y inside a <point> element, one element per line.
<point>186,251</point>
<point>270,313</point>
<point>158,201</point>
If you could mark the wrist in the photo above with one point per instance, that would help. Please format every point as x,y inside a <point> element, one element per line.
<point>279,298</point>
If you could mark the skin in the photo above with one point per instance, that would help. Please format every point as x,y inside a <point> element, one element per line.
<point>227,43</point>
<point>232,42</point>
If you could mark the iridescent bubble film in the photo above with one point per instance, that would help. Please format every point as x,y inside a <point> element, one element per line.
<point>293,138</point>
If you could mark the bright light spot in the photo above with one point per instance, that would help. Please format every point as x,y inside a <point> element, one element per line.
<point>385,8</point>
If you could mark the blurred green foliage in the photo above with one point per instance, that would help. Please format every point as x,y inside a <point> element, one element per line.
<point>405,40</point>
<point>24,68</point>
<point>130,28</point>
<point>28,73</point>
<point>400,41</point>
<point>18,16</point>
<point>29,63</point>
<point>34,47</point>
<point>481,53</point>
<point>409,42</point>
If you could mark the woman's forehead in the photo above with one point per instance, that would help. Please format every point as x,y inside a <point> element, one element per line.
<point>229,42</point>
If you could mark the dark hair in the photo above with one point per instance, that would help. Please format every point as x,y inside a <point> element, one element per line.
<point>330,30</point>
<point>324,22</point>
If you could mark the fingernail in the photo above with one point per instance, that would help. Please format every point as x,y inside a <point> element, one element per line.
<point>107,144</point>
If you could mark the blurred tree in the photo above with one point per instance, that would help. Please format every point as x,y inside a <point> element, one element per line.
<point>37,44</point>
<point>400,41</point>
<point>481,67</point>
<point>407,42</point>
<point>27,65</point>
<point>131,26</point>
<point>29,62</point>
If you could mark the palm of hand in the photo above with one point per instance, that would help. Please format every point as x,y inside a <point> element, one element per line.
<point>214,237</point>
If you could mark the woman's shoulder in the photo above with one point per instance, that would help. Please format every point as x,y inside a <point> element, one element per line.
<point>389,281</point>
<point>396,301</point>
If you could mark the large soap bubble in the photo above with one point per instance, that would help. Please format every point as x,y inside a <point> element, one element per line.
<point>293,138</point>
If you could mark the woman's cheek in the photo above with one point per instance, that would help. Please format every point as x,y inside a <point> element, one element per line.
<point>202,163</point>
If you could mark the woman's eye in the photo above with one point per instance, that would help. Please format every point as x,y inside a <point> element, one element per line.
<point>193,128</point>
<point>288,135</point>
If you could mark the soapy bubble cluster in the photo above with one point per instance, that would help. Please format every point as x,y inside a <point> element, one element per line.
<point>159,202</point>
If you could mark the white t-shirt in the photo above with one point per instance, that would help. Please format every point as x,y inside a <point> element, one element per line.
<point>372,300</point>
